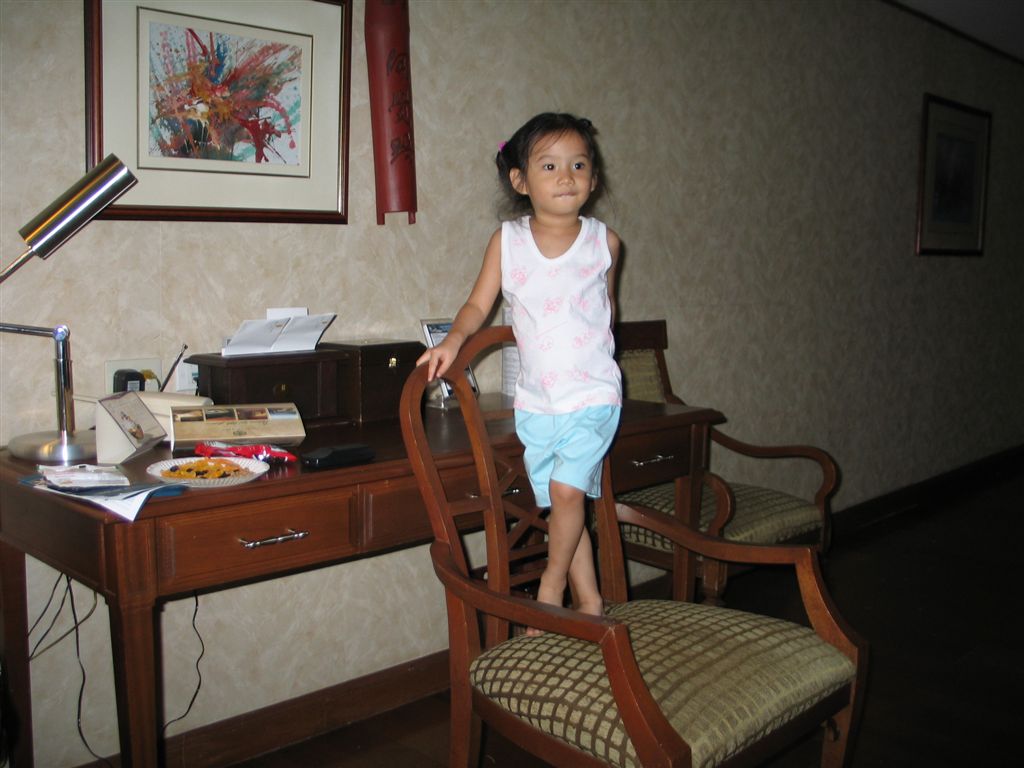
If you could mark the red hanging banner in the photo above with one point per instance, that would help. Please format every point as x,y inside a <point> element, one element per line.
<point>387,61</point>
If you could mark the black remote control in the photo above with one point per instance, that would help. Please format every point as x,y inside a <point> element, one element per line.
<point>338,456</point>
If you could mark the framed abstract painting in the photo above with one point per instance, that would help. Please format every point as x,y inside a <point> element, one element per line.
<point>953,178</point>
<point>225,111</point>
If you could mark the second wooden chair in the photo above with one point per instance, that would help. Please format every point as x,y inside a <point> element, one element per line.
<point>751,514</point>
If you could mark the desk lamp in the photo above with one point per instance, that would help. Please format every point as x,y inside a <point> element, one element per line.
<point>44,234</point>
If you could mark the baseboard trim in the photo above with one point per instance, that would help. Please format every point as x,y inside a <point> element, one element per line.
<point>920,496</point>
<point>268,729</point>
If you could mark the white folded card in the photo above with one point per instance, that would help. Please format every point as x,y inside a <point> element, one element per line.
<point>297,333</point>
<point>125,427</point>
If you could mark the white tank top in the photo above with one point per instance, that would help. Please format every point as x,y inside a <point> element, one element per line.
<point>561,317</point>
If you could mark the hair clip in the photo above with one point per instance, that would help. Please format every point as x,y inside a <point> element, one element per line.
<point>501,146</point>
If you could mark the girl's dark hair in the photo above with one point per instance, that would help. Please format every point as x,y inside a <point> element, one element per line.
<point>515,153</point>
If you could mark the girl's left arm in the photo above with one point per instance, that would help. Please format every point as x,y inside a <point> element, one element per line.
<point>614,247</point>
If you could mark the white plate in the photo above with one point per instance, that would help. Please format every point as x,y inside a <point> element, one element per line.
<point>254,468</point>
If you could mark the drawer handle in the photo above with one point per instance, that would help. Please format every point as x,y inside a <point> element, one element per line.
<point>292,535</point>
<point>655,459</point>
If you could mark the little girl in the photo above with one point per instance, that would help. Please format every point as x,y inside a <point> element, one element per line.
<point>556,270</point>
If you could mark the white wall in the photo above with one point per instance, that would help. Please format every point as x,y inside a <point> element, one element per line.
<point>763,162</point>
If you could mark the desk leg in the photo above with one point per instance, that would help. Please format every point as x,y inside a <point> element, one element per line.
<point>132,640</point>
<point>130,553</point>
<point>17,698</point>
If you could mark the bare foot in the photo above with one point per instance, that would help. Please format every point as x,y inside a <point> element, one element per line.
<point>592,607</point>
<point>550,593</point>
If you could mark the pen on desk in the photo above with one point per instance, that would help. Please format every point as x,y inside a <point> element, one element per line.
<point>173,366</point>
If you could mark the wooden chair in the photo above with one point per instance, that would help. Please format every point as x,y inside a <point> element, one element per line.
<point>652,682</point>
<point>752,514</point>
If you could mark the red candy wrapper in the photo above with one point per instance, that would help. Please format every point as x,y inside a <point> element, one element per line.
<point>263,451</point>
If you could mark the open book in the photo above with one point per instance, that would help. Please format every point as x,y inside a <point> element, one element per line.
<point>297,333</point>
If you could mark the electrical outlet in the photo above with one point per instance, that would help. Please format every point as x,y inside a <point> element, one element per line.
<point>150,367</point>
<point>186,378</point>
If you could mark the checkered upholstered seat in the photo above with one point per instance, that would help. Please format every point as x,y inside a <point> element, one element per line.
<point>735,678</point>
<point>652,682</point>
<point>763,515</point>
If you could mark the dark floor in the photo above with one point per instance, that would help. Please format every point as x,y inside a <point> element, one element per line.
<point>932,591</point>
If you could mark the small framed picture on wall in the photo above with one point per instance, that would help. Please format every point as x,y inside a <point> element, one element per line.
<point>953,178</point>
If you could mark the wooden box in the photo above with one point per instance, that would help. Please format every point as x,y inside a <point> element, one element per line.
<point>336,383</point>
<point>373,385</point>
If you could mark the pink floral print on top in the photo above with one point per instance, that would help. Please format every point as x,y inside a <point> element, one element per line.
<point>561,316</point>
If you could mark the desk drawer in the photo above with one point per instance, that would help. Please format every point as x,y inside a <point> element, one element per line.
<point>254,539</point>
<point>651,458</point>
<point>393,511</point>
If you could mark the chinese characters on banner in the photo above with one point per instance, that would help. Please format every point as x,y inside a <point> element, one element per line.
<point>394,152</point>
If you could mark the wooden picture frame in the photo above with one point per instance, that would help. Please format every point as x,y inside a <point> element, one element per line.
<point>953,178</point>
<point>266,140</point>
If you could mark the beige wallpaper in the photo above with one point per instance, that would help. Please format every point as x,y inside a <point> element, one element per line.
<point>762,160</point>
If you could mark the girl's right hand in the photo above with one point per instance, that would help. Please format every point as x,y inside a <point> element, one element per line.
<point>439,358</point>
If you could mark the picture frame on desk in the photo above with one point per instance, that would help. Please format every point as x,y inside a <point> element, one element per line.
<point>266,140</point>
<point>434,332</point>
<point>953,178</point>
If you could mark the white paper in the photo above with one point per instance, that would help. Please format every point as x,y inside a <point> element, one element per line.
<point>286,334</point>
<point>80,476</point>
<point>276,313</point>
<point>124,502</point>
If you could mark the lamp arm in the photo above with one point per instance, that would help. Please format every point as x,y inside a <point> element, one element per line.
<point>15,265</point>
<point>62,369</point>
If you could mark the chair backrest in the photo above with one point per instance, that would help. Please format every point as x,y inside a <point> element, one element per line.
<point>514,527</point>
<point>640,349</point>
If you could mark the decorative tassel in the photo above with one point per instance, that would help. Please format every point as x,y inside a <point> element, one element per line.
<point>387,59</point>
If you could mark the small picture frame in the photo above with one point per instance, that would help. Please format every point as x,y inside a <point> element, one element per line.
<point>434,332</point>
<point>953,178</point>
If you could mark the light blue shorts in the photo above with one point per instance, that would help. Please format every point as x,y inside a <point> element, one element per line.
<point>567,447</point>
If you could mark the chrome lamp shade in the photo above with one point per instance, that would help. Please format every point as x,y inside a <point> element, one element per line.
<point>47,232</point>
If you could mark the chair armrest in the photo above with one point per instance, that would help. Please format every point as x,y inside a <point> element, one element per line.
<point>709,546</point>
<point>725,503</point>
<point>821,611</point>
<point>829,468</point>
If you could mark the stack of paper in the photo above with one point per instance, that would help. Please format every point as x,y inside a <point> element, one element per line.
<point>297,333</point>
<point>105,487</point>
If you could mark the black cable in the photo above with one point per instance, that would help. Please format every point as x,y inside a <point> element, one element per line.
<point>53,591</point>
<point>37,651</point>
<point>199,674</point>
<point>53,621</point>
<point>81,666</point>
<point>69,597</point>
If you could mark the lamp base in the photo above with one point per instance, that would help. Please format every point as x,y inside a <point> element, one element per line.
<point>54,447</point>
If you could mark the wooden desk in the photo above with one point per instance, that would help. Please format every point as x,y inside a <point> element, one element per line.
<point>195,541</point>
